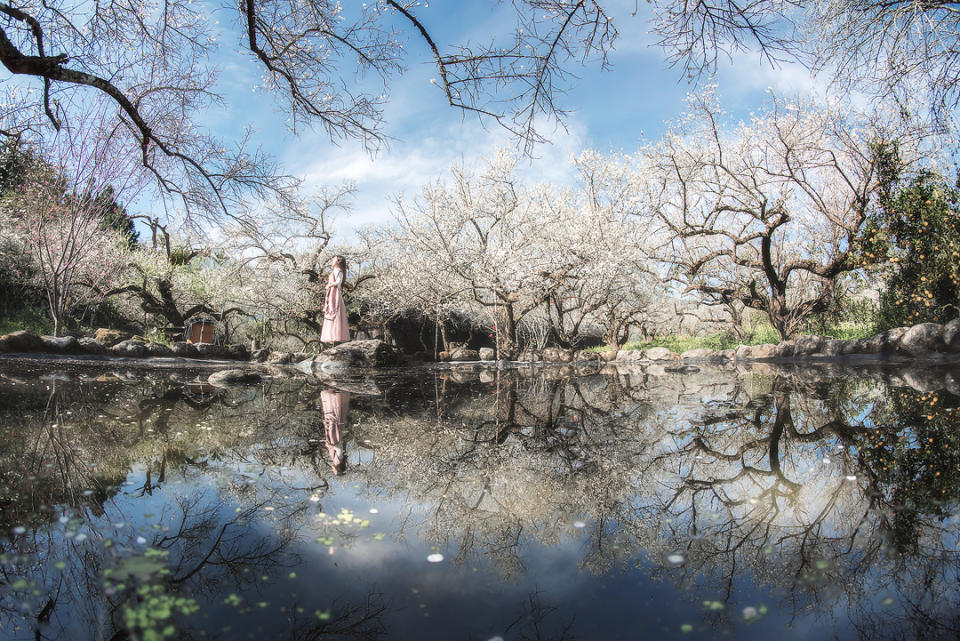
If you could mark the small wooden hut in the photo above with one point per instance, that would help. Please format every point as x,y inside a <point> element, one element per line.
<point>201,329</point>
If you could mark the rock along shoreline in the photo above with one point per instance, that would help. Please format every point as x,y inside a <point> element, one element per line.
<point>929,343</point>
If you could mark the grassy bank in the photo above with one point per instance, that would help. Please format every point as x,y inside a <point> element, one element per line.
<point>763,334</point>
<point>31,319</point>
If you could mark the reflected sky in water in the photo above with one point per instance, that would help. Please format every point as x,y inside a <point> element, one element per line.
<point>767,503</point>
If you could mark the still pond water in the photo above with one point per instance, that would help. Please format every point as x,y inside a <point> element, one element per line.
<point>481,505</point>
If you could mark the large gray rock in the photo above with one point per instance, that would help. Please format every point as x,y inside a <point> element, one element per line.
<point>556,355</point>
<point>629,355</point>
<point>487,353</point>
<point>700,353</point>
<point>832,347</point>
<point>808,345</point>
<point>766,350</point>
<point>785,349</point>
<point>309,366</point>
<point>660,354</point>
<point>464,354</point>
<point>331,367</point>
<point>131,348</point>
<point>60,344</point>
<point>743,352</point>
<point>279,358</point>
<point>184,349</point>
<point>755,352</point>
<point>366,353</point>
<point>922,339</point>
<point>158,349</point>
<point>884,342</point>
<point>951,336</point>
<point>238,352</point>
<point>110,337</point>
<point>235,377</point>
<point>260,355</point>
<point>584,356</point>
<point>723,356</point>
<point>854,346</point>
<point>208,350</point>
<point>90,346</point>
<point>21,341</point>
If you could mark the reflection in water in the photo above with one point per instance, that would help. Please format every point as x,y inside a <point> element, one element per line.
<point>593,507</point>
<point>336,406</point>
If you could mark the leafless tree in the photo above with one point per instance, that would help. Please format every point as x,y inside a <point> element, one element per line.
<point>697,34</point>
<point>155,65</point>
<point>770,214</point>
<point>905,50</point>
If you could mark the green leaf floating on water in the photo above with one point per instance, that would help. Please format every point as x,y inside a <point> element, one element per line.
<point>152,611</point>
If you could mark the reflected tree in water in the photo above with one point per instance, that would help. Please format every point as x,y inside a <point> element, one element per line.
<point>836,494</point>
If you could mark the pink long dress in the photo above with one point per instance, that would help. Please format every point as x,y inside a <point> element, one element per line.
<point>335,329</point>
<point>336,405</point>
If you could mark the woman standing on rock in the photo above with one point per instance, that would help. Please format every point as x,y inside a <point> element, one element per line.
<point>335,329</point>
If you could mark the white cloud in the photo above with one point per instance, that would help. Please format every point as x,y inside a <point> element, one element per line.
<point>405,167</point>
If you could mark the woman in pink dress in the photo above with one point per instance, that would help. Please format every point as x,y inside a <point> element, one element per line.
<point>335,329</point>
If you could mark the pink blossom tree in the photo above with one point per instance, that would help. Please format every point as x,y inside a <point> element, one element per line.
<point>58,221</point>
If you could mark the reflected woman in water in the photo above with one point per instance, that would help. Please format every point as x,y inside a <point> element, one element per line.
<point>336,405</point>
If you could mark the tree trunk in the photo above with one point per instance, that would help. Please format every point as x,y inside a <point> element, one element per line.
<point>507,336</point>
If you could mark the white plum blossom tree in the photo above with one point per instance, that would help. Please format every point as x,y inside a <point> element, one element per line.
<point>481,238</point>
<point>769,213</point>
<point>570,260</point>
<point>613,285</point>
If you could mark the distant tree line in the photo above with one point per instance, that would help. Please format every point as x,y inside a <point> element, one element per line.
<point>804,215</point>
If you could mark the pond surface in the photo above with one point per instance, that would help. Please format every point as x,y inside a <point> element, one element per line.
<point>478,506</point>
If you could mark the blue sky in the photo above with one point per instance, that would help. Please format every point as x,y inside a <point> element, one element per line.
<point>613,110</point>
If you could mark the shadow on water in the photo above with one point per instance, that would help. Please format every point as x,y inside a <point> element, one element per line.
<point>444,504</point>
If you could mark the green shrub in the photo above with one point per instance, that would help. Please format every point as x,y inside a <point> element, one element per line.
<point>32,319</point>
<point>760,334</point>
<point>918,229</point>
<point>154,335</point>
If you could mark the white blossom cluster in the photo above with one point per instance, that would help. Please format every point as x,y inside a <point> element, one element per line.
<point>487,242</point>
